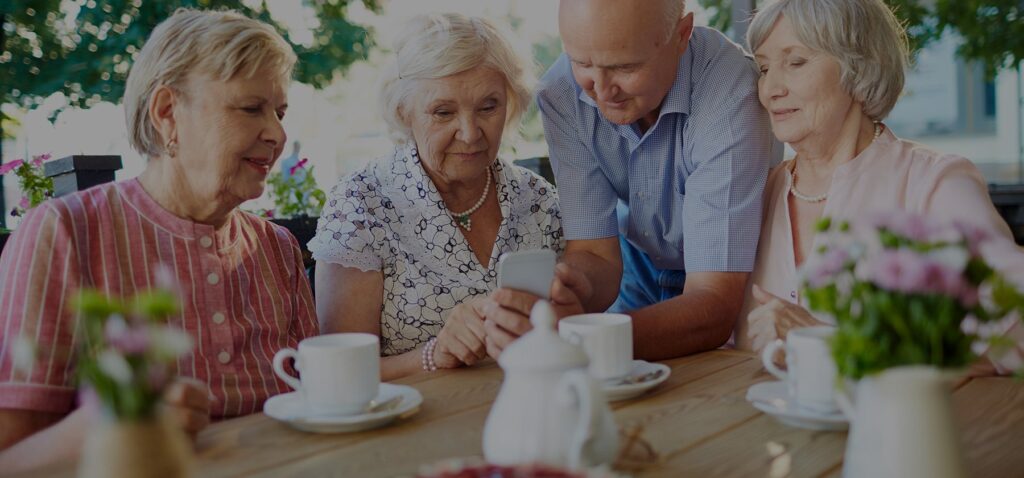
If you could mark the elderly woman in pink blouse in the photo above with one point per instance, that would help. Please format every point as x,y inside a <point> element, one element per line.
<point>831,70</point>
<point>204,101</point>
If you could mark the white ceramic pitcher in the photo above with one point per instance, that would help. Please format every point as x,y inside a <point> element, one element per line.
<point>549,409</point>
<point>901,425</point>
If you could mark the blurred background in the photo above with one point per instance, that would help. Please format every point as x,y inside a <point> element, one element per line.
<point>64,62</point>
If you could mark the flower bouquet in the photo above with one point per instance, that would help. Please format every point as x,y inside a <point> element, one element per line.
<point>910,297</point>
<point>904,290</point>
<point>126,362</point>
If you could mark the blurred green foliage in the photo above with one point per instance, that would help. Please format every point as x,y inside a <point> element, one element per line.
<point>991,29</point>
<point>84,48</point>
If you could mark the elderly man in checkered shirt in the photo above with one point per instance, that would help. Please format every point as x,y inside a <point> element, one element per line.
<point>661,151</point>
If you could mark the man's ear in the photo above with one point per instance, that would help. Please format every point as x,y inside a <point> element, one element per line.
<point>162,110</point>
<point>684,28</point>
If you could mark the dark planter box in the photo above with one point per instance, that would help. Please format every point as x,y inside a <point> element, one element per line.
<point>303,228</point>
<point>80,172</point>
<point>1009,201</point>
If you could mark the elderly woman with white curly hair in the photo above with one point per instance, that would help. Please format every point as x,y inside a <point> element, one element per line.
<point>407,247</point>
<point>204,102</point>
<point>831,70</point>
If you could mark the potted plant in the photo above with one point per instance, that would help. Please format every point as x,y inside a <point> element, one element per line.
<point>126,363</point>
<point>297,202</point>
<point>35,187</point>
<point>910,297</point>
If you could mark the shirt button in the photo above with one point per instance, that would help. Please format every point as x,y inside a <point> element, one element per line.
<point>205,241</point>
<point>213,278</point>
<point>646,234</point>
<point>792,294</point>
<point>218,318</point>
<point>224,357</point>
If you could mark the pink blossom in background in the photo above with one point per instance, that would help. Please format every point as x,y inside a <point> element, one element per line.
<point>24,203</point>
<point>299,165</point>
<point>11,166</point>
<point>37,161</point>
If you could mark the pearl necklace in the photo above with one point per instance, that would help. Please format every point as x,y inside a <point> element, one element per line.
<point>823,196</point>
<point>462,218</point>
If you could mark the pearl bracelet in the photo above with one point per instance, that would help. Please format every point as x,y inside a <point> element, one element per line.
<point>428,355</point>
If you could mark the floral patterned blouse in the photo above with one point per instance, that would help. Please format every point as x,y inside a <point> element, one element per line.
<point>390,217</point>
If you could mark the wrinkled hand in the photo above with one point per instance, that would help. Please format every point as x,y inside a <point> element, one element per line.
<point>187,403</point>
<point>507,313</point>
<point>461,340</point>
<point>773,319</point>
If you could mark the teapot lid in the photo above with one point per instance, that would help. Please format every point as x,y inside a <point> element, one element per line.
<point>542,348</point>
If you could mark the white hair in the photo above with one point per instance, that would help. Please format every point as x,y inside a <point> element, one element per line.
<point>439,45</point>
<point>674,10</point>
<point>222,44</point>
<point>862,35</point>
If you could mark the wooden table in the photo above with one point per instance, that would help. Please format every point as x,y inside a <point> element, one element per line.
<point>698,422</point>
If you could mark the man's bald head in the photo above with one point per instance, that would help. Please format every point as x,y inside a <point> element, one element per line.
<point>624,53</point>
<point>665,13</point>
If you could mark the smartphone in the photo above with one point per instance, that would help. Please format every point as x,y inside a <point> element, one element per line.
<point>527,271</point>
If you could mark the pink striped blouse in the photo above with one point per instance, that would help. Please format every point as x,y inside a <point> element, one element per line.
<point>243,291</point>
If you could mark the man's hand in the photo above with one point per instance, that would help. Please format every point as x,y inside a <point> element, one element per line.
<point>187,402</point>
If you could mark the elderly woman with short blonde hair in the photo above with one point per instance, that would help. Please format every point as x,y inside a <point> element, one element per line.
<point>406,247</point>
<point>204,102</point>
<point>831,71</point>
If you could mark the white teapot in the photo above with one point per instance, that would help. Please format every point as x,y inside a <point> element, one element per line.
<point>549,410</point>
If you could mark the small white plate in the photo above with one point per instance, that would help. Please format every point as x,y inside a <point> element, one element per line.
<point>773,399</point>
<point>651,375</point>
<point>291,409</point>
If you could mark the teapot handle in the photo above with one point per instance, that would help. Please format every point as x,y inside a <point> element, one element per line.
<point>578,384</point>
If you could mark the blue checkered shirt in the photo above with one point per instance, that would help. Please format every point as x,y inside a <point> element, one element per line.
<point>694,179</point>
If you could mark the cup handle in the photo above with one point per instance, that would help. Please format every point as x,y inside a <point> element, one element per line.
<point>767,356</point>
<point>279,359</point>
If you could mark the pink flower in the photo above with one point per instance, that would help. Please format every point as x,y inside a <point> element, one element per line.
<point>974,235</point>
<point>37,161</point>
<point>125,338</point>
<point>824,268</point>
<point>299,165</point>
<point>24,203</point>
<point>11,166</point>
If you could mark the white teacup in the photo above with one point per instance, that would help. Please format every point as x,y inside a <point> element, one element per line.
<point>340,373</point>
<point>810,373</point>
<point>607,340</point>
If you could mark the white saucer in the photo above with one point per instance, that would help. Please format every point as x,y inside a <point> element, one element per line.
<point>773,399</point>
<point>291,409</point>
<point>618,392</point>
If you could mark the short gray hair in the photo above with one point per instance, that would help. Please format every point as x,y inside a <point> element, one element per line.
<point>674,10</point>
<point>222,44</point>
<point>862,35</point>
<point>439,45</point>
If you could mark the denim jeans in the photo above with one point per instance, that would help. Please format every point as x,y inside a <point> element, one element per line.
<point>642,283</point>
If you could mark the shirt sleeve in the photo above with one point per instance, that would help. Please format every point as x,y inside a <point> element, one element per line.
<point>550,219</point>
<point>38,273</point>
<point>349,233</point>
<point>587,197</point>
<point>729,144</point>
